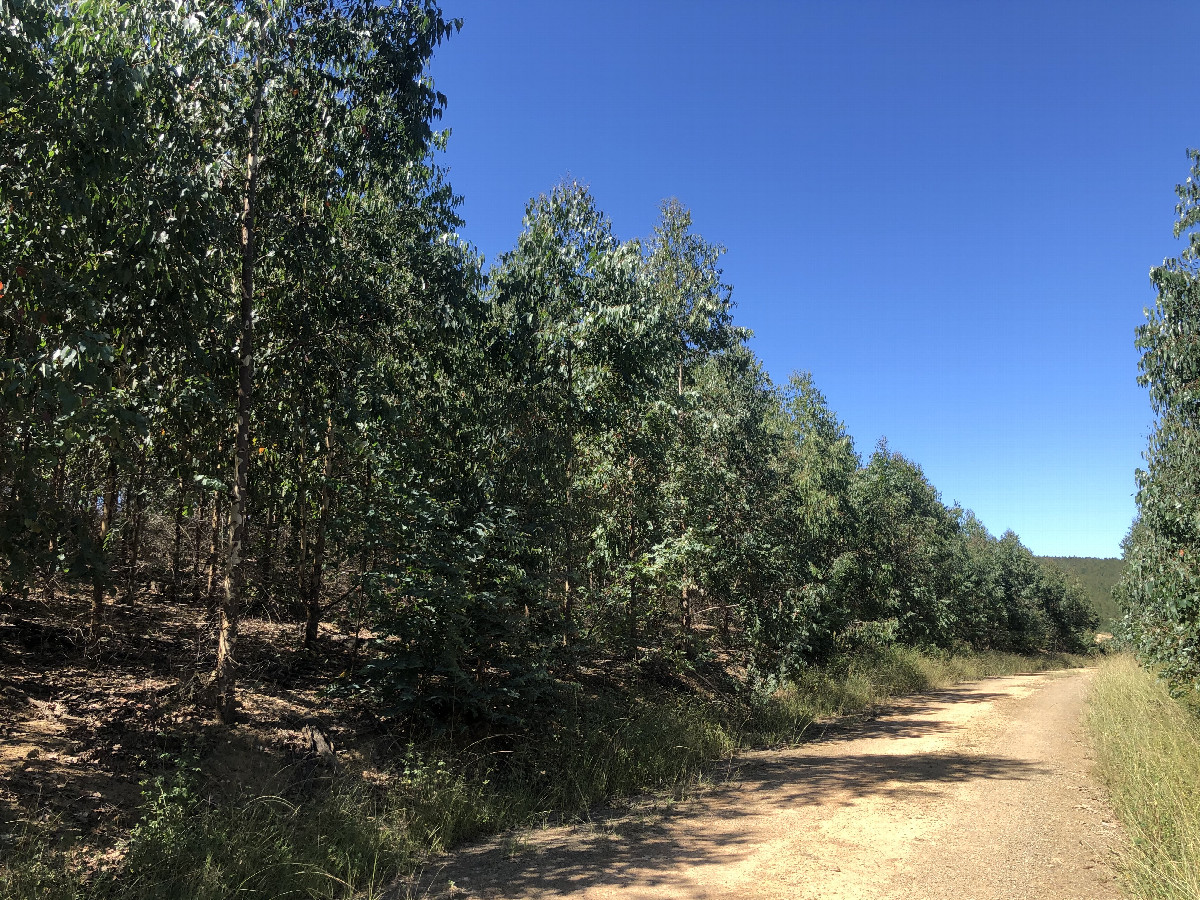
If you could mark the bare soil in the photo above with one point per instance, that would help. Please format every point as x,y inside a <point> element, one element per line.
<point>979,792</point>
<point>82,729</point>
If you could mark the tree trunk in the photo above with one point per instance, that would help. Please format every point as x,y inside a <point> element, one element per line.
<point>216,524</point>
<point>199,511</point>
<point>632,611</point>
<point>302,566</point>
<point>225,673</point>
<point>685,600</point>
<point>266,562</point>
<point>727,611</point>
<point>52,563</point>
<point>135,501</point>
<point>99,578</point>
<point>301,520</point>
<point>568,550</point>
<point>175,553</point>
<point>312,618</point>
<point>360,608</point>
<point>138,507</point>
<point>10,352</point>
<point>366,562</point>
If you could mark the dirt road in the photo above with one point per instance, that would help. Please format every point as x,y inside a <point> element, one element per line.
<point>979,792</point>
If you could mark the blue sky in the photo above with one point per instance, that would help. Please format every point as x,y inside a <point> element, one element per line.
<point>945,211</point>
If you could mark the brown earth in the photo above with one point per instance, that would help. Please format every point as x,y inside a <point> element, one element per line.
<point>82,731</point>
<point>979,792</point>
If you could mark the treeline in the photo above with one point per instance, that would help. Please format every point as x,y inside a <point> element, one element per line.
<point>1097,576</point>
<point>248,362</point>
<point>1160,590</point>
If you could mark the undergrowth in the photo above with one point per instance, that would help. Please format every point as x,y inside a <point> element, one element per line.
<point>341,836</point>
<point>1148,752</point>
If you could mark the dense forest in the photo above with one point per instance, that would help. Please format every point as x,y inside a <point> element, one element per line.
<point>250,366</point>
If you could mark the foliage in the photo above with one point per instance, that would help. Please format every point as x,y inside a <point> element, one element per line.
<point>1160,590</point>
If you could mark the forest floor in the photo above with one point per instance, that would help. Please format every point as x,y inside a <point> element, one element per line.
<point>977,792</point>
<point>83,730</point>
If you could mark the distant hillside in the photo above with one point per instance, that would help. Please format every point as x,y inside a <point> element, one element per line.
<point>1098,576</point>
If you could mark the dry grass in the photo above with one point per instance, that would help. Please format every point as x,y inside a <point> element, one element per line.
<point>1148,751</point>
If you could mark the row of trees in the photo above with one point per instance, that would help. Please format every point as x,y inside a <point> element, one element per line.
<point>1160,589</point>
<point>249,361</point>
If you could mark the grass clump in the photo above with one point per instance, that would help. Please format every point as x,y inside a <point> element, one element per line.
<point>31,866</point>
<point>336,843</point>
<point>1148,752</point>
<point>342,836</point>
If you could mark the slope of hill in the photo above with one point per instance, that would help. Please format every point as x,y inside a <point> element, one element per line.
<point>1098,576</point>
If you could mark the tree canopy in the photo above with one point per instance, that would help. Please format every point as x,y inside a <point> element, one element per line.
<point>250,363</point>
<point>1160,590</point>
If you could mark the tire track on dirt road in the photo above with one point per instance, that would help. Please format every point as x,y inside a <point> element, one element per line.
<point>983,791</point>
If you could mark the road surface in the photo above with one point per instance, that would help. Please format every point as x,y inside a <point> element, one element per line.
<point>983,791</point>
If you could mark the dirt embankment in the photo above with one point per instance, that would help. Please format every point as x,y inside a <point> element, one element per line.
<point>979,792</point>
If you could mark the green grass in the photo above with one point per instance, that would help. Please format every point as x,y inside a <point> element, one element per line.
<point>345,838</point>
<point>1148,752</point>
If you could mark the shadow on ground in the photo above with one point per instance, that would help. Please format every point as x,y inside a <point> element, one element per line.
<point>632,852</point>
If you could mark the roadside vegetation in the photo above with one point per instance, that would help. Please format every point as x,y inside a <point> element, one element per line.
<point>1160,588</point>
<point>1144,720</point>
<point>1148,753</point>
<point>342,834</point>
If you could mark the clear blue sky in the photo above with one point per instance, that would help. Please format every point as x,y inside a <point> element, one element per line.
<point>945,211</point>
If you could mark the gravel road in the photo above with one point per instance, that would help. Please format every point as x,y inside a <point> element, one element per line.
<point>983,791</point>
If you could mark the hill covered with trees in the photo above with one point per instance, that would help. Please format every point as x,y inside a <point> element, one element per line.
<point>1098,576</point>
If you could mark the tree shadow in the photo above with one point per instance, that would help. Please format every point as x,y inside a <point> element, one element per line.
<point>902,720</point>
<point>623,851</point>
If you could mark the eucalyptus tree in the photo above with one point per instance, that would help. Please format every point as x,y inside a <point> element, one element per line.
<point>811,521</point>
<point>1068,612</point>
<point>1026,626</point>
<point>680,318</point>
<point>412,512</point>
<point>906,546</point>
<point>232,291</point>
<point>316,104</point>
<point>569,308</point>
<point>1159,589</point>
<point>105,191</point>
<point>980,617</point>
<point>495,509</point>
<point>704,350</point>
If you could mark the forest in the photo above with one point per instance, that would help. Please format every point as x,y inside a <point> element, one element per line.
<point>250,364</point>
<point>252,372</point>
